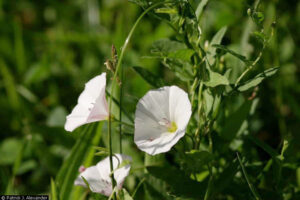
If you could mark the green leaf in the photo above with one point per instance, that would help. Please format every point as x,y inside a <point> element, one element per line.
<point>258,17</point>
<point>262,37</point>
<point>54,193</point>
<point>57,117</point>
<point>217,39</point>
<point>20,56</point>
<point>239,56</point>
<point>224,179</point>
<point>125,195</point>
<point>9,149</point>
<point>196,160</point>
<point>181,54</point>
<point>10,86</point>
<point>200,7</point>
<point>209,101</point>
<point>150,78</point>
<point>163,47</point>
<point>268,149</point>
<point>68,172</point>
<point>166,10</point>
<point>179,184</point>
<point>141,3</point>
<point>234,121</point>
<point>216,79</point>
<point>257,79</point>
<point>26,166</point>
<point>101,149</point>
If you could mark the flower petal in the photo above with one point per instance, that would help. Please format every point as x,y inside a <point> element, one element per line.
<point>98,176</point>
<point>92,105</point>
<point>92,176</point>
<point>158,108</point>
<point>119,174</point>
<point>180,107</point>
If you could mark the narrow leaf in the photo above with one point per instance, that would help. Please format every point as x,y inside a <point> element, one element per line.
<point>150,78</point>
<point>68,172</point>
<point>54,193</point>
<point>217,39</point>
<point>257,79</point>
<point>200,7</point>
<point>239,56</point>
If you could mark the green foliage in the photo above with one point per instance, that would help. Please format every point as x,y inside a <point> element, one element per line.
<point>216,79</point>
<point>180,185</point>
<point>257,79</point>
<point>150,78</point>
<point>54,193</point>
<point>222,53</point>
<point>68,172</point>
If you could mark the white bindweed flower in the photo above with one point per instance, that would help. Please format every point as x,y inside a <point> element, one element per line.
<point>92,105</point>
<point>161,118</point>
<point>98,176</point>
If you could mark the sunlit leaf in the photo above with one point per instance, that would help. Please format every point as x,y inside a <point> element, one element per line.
<point>237,55</point>
<point>125,195</point>
<point>216,79</point>
<point>54,191</point>
<point>163,47</point>
<point>257,79</point>
<point>68,172</point>
<point>200,7</point>
<point>216,40</point>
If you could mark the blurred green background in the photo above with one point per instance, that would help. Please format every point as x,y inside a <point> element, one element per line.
<point>50,48</point>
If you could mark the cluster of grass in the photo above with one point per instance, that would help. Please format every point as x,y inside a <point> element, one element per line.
<point>49,49</point>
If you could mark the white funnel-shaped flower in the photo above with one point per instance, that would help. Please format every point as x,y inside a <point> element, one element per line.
<point>161,118</point>
<point>98,176</point>
<point>92,105</point>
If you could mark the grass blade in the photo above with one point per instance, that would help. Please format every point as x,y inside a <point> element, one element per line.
<point>54,193</point>
<point>68,171</point>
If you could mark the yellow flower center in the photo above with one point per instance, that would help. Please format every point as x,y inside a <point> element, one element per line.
<point>172,127</point>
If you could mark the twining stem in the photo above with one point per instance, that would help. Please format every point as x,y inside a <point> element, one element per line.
<point>114,83</point>
<point>252,188</point>
<point>210,184</point>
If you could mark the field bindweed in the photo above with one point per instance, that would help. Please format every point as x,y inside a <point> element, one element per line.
<point>92,105</point>
<point>161,118</point>
<point>98,176</point>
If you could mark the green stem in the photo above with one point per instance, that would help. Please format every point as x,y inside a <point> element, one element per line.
<point>114,83</point>
<point>254,192</point>
<point>110,156</point>
<point>249,68</point>
<point>120,111</point>
<point>210,184</point>
<point>138,186</point>
<point>124,123</point>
